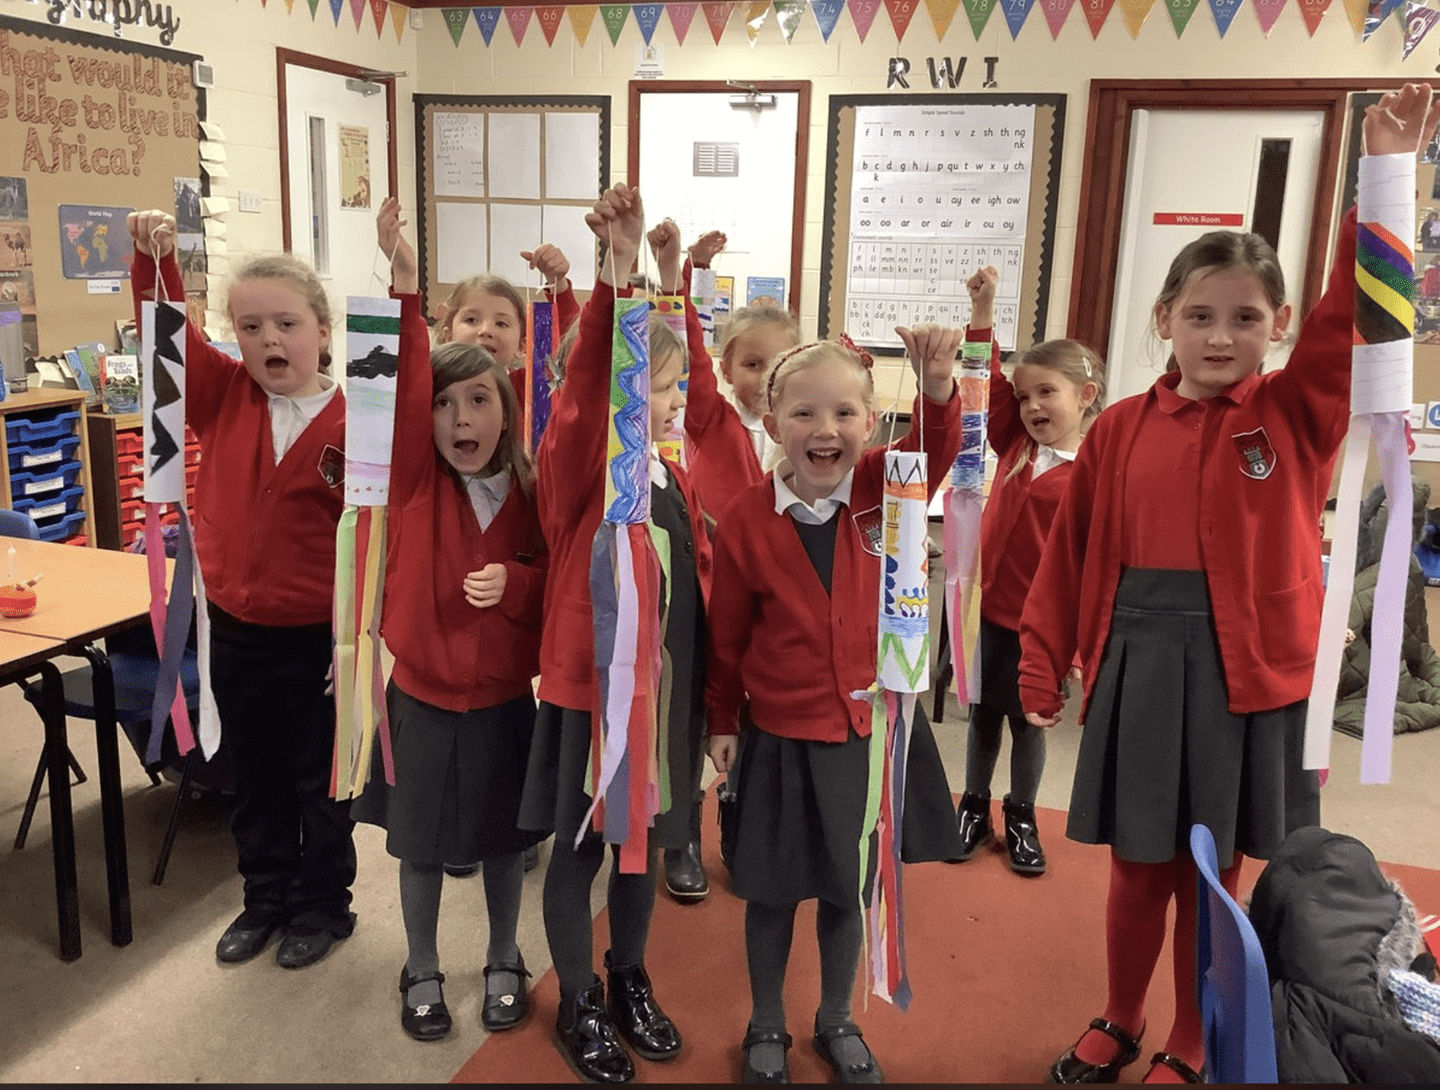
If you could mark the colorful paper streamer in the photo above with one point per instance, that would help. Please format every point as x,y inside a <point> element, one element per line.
<point>964,505</point>
<point>541,341</point>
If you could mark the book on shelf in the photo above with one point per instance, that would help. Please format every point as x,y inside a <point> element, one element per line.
<point>92,358</point>
<point>81,373</point>
<point>121,389</point>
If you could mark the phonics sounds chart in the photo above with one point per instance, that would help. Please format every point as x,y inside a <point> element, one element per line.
<point>936,192</point>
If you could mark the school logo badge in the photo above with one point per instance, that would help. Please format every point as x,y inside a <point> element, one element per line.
<point>1257,456</point>
<point>871,524</point>
<point>332,465</point>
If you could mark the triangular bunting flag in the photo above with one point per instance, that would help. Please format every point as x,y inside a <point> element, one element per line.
<point>1097,11</point>
<point>1418,21</point>
<point>1135,12</point>
<point>399,13</point>
<point>335,8</point>
<point>550,21</point>
<point>1267,11</point>
<point>377,9</point>
<point>978,13</point>
<point>942,14</point>
<point>1055,12</point>
<point>862,14</point>
<point>614,16</point>
<point>788,14</point>
<point>1312,11</point>
<point>1376,14</point>
<point>313,5</point>
<point>357,9</point>
<point>716,15</point>
<point>1180,12</point>
<point>1224,12</point>
<point>1355,11</point>
<point>456,19</point>
<point>1015,13</point>
<point>487,19</point>
<point>519,20</point>
<point>582,18</point>
<point>901,12</point>
<point>647,18</point>
<point>827,14</point>
<point>755,15</point>
<point>680,17</point>
<point>289,5</point>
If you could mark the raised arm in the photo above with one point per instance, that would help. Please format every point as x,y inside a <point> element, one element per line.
<point>704,406</point>
<point>1003,428</point>
<point>932,350</point>
<point>550,261</point>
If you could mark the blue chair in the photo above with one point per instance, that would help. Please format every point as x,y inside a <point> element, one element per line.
<point>1234,983</point>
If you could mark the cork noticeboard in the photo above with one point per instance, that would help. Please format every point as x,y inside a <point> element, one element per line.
<point>921,190</point>
<point>496,175</point>
<point>91,128</point>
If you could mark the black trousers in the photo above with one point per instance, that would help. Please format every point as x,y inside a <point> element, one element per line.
<point>297,854</point>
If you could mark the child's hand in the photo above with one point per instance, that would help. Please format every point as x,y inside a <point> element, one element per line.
<point>664,239</point>
<point>619,219</point>
<point>981,287</point>
<point>932,349</point>
<point>485,587</point>
<point>1041,720</point>
<point>722,749</point>
<point>704,249</point>
<point>152,232</point>
<point>1401,122</point>
<point>404,269</point>
<point>549,262</point>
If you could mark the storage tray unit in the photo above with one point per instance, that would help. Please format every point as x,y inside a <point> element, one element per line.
<point>45,463</point>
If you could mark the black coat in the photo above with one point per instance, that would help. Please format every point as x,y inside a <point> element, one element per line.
<point>1332,927</point>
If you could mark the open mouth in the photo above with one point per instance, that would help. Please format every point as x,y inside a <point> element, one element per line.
<point>823,457</point>
<point>467,447</point>
<point>276,363</point>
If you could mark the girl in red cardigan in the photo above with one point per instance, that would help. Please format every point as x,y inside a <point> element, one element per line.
<point>571,468</point>
<point>1185,561</point>
<point>1034,427</point>
<point>269,495</point>
<point>794,631</point>
<point>464,581</point>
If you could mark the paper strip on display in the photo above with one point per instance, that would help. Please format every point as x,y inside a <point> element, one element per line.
<point>372,342</point>
<point>904,651</point>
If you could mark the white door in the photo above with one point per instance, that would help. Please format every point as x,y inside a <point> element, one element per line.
<point>1193,171</point>
<point>338,138</point>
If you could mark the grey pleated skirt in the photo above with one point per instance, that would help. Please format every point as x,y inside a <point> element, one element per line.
<point>1160,750</point>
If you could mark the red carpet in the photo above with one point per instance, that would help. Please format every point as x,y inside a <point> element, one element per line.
<point>1006,972</point>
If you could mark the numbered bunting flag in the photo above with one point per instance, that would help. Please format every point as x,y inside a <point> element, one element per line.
<point>901,12</point>
<point>1180,12</point>
<point>1355,11</point>
<point>862,14</point>
<point>314,4</point>
<point>827,14</point>
<point>1224,12</point>
<point>582,18</point>
<point>519,20</point>
<point>1418,21</point>
<point>647,18</point>
<point>755,17</point>
<point>1380,399</point>
<point>1267,11</point>
<point>1312,11</point>
<point>942,14</point>
<point>680,18</point>
<point>614,16</point>
<point>716,16</point>
<point>549,18</point>
<point>671,309</point>
<point>487,19</point>
<point>335,8</point>
<point>978,13</point>
<point>377,12</point>
<point>162,403</point>
<point>398,12</point>
<point>964,503</point>
<point>1015,13</point>
<point>541,339</point>
<point>456,20</point>
<point>1135,12</point>
<point>1097,11</point>
<point>1055,12</point>
<point>789,13</point>
<point>357,9</point>
<point>372,345</point>
<point>629,566</point>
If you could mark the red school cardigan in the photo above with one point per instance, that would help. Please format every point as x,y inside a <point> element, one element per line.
<point>447,652</point>
<point>571,468</point>
<point>777,639</point>
<point>265,534</point>
<point>1259,536</point>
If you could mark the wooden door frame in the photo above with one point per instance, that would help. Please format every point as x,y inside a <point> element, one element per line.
<point>339,68</point>
<point>1107,155</point>
<point>801,88</point>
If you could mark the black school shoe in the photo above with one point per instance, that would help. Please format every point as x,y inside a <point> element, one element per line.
<point>587,1039</point>
<point>1070,1068</point>
<point>646,1028</point>
<point>973,817</point>
<point>247,936</point>
<point>685,878</point>
<point>1022,838</point>
<point>869,1071</point>
<point>305,944</point>
<point>754,1036</point>
<point>509,1009</point>
<point>429,1021</point>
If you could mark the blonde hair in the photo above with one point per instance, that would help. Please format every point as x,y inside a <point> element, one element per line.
<point>746,319</point>
<point>301,275</point>
<point>488,283</point>
<point>457,362</point>
<point>664,341</point>
<point>1073,362</point>
<point>809,355</point>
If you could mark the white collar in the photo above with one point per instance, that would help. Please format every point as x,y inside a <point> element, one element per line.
<point>310,403</point>
<point>496,486</point>
<point>816,514</point>
<point>658,477</point>
<point>1047,458</point>
<point>749,419</point>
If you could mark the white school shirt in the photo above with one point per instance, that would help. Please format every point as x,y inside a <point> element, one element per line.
<point>767,451</point>
<point>289,416</point>
<point>816,514</point>
<point>487,495</point>
<point>1049,458</point>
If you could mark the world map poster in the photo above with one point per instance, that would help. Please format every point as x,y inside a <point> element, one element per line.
<point>94,242</point>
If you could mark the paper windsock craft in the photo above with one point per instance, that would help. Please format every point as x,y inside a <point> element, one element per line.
<point>541,340</point>
<point>964,505</point>
<point>671,308</point>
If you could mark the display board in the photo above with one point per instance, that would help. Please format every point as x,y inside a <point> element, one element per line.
<point>921,190</point>
<point>91,128</point>
<point>497,175</point>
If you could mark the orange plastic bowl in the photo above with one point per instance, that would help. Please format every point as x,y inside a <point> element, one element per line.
<point>16,601</point>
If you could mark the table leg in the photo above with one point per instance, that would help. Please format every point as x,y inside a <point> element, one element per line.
<point>112,807</point>
<point>62,819</point>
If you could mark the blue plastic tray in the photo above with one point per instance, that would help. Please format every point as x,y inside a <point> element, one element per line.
<point>27,429</point>
<point>62,528</point>
<point>35,456</point>
<point>43,509</point>
<point>43,483</point>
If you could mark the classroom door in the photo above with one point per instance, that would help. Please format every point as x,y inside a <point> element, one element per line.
<point>337,136</point>
<point>1191,171</point>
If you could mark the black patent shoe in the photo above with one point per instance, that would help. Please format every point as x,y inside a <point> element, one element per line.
<point>753,1036</point>
<point>247,936</point>
<point>587,1039</point>
<point>1070,1068</point>
<point>644,1026</point>
<point>1022,838</point>
<point>869,1071</point>
<point>429,1021</point>
<point>685,878</point>
<point>1177,1065</point>
<point>974,818</point>
<point>507,1009</point>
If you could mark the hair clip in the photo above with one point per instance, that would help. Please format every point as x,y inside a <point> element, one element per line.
<point>842,341</point>
<point>866,360</point>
